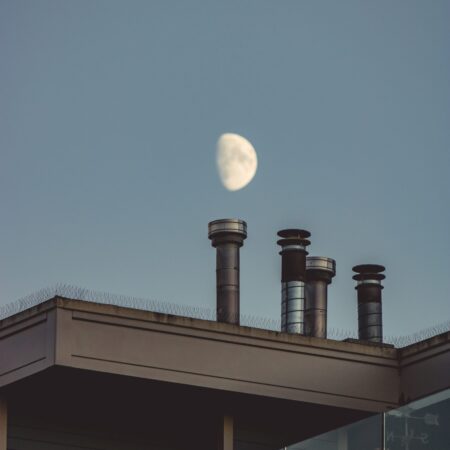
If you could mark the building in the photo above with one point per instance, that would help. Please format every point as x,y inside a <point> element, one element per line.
<point>82,374</point>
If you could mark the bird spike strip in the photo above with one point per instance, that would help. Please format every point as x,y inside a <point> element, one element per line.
<point>194,312</point>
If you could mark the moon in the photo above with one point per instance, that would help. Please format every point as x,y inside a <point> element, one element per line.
<point>236,161</point>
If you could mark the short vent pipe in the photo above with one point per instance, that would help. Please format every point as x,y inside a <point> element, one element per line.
<point>227,236</point>
<point>293,253</point>
<point>370,321</point>
<point>319,272</point>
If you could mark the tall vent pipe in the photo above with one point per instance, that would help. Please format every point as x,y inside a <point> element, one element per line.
<point>293,276</point>
<point>227,236</point>
<point>370,323</point>
<point>319,273</point>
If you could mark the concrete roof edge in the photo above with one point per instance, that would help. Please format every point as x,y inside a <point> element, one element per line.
<point>426,345</point>
<point>235,330</point>
<point>26,314</point>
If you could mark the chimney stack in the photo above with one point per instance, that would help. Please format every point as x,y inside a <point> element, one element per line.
<point>227,236</point>
<point>293,276</point>
<point>319,272</point>
<point>370,324</point>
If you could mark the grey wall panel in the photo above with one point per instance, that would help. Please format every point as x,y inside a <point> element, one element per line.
<point>26,347</point>
<point>425,368</point>
<point>248,364</point>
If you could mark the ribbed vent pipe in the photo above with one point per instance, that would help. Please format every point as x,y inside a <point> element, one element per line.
<point>319,273</point>
<point>370,320</point>
<point>227,236</point>
<point>293,276</point>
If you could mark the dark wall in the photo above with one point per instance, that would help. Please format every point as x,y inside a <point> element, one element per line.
<point>36,435</point>
<point>68,409</point>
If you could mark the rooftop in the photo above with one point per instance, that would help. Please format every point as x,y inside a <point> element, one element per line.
<point>150,345</point>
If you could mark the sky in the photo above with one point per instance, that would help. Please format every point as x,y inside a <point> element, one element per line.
<point>109,116</point>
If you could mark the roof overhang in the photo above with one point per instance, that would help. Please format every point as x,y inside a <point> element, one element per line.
<point>209,355</point>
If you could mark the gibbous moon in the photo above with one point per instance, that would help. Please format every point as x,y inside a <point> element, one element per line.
<point>236,161</point>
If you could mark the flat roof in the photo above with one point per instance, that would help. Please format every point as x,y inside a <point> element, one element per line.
<point>131,342</point>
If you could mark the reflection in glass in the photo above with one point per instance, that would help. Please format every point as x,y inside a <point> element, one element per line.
<point>365,434</point>
<point>420,425</point>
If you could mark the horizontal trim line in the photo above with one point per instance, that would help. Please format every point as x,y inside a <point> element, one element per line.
<point>22,366</point>
<point>18,327</point>
<point>392,362</point>
<point>384,402</point>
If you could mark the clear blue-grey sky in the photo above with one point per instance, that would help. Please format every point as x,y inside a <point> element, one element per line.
<point>109,115</point>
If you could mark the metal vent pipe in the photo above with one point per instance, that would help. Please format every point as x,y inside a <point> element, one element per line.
<point>227,236</point>
<point>293,276</point>
<point>370,320</point>
<point>319,272</point>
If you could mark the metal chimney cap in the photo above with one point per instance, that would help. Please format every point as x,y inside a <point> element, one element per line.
<point>294,233</point>
<point>369,268</point>
<point>293,239</point>
<point>321,263</point>
<point>292,243</point>
<point>369,272</point>
<point>227,226</point>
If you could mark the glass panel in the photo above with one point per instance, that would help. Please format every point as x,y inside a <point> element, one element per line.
<point>421,425</point>
<point>363,435</point>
